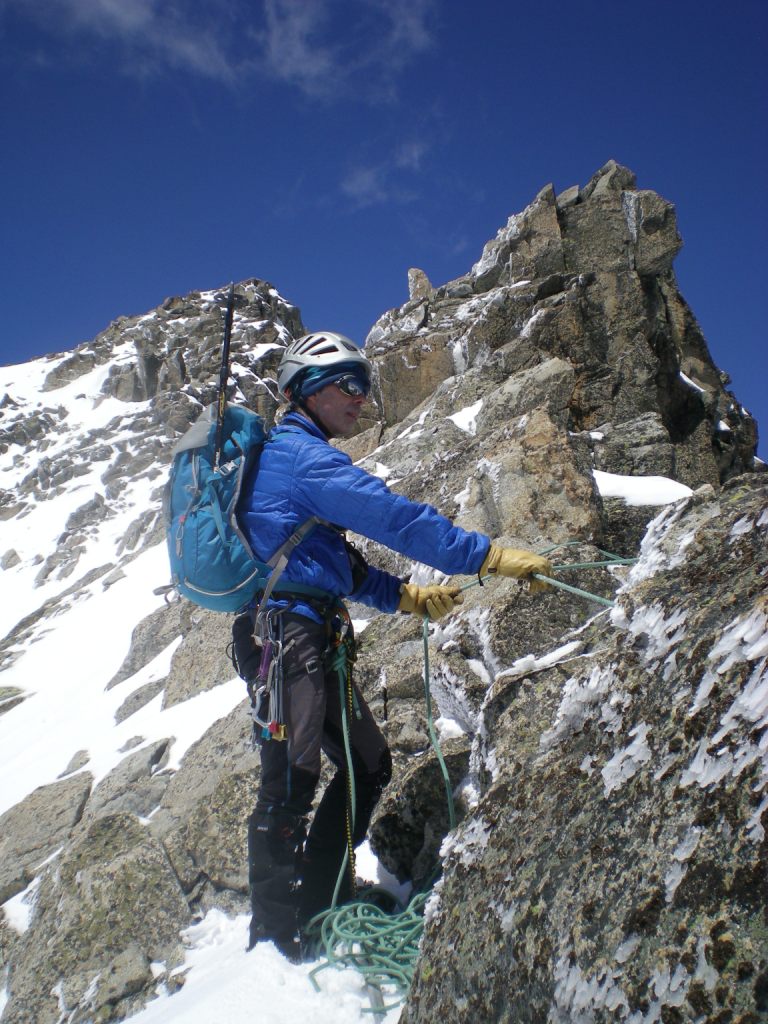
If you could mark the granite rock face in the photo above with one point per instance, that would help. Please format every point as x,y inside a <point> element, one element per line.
<point>614,867</point>
<point>608,771</point>
<point>110,907</point>
<point>33,829</point>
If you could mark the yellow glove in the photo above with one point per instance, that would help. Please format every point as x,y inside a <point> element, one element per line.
<point>518,564</point>
<point>433,601</point>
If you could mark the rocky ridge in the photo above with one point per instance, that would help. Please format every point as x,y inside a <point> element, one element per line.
<point>614,867</point>
<point>566,349</point>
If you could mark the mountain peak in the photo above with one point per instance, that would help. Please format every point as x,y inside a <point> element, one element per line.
<point>560,395</point>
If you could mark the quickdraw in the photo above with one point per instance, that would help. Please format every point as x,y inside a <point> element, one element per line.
<point>266,691</point>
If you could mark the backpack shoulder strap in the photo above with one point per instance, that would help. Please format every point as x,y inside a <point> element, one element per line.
<point>279,560</point>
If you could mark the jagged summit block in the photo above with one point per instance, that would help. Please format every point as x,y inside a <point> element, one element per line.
<point>586,278</point>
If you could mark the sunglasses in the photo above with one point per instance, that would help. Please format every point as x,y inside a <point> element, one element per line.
<point>352,386</point>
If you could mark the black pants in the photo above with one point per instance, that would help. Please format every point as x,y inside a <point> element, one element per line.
<point>293,873</point>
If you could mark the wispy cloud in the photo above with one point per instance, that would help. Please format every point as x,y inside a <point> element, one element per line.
<point>293,47</point>
<point>410,155</point>
<point>386,181</point>
<point>152,36</point>
<point>324,49</point>
<point>366,186</point>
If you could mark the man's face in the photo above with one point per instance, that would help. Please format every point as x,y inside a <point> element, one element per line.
<point>336,411</point>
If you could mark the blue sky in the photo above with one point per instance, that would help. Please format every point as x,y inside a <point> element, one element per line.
<point>154,147</point>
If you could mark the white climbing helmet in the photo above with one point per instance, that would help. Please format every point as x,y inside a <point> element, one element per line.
<point>322,349</point>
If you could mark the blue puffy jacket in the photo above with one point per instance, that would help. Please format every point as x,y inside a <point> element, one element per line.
<point>301,475</point>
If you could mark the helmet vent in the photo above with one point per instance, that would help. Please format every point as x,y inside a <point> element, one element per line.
<point>328,350</point>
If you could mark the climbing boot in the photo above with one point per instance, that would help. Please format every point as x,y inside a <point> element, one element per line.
<point>274,845</point>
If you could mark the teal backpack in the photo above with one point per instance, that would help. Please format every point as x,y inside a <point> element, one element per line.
<point>212,563</point>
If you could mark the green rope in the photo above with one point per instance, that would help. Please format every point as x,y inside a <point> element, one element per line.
<point>609,559</point>
<point>594,565</point>
<point>341,665</point>
<point>382,946</point>
<point>573,590</point>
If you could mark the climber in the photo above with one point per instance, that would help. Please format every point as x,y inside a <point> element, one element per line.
<point>326,379</point>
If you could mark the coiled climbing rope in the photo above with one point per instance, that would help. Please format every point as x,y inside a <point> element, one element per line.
<point>381,942</point>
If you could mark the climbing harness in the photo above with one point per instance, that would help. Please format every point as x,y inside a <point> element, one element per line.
<point>258,648</point>
<point>384,946</point>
